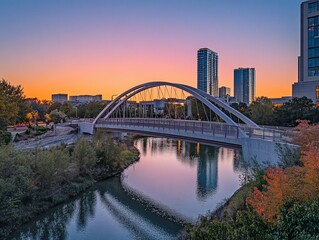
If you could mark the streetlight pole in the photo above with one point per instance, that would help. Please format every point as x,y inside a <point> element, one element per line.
<point>76,112</point>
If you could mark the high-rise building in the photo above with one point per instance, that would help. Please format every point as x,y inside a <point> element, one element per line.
<point>207,71</point>
<point>244,84</point>
<point>308,61</point>
<point>224,91</point>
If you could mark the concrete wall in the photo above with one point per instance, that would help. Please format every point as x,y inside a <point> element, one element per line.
<point>264,151</point>
<point>86,127</point>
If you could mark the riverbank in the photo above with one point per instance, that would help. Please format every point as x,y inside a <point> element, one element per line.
<point>234,204</point>
<point>40,179</point>
<point>225,212</point>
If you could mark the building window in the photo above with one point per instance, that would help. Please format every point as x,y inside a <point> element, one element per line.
<point>317,92</point>
<point>313,62</point>
<point>313,71</point>
<point>313,7</point>
<point>313,52</point>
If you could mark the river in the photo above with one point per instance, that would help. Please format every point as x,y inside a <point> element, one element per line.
<point>172,184</point>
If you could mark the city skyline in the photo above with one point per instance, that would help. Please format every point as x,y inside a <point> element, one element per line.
<point>109,46</point>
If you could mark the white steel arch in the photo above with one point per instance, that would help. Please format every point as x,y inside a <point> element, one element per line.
<point>198,94</point>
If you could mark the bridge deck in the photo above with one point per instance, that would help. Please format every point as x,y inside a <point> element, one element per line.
<point>200,129</point>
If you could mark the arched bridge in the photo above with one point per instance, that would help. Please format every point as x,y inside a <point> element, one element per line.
<point>198,117</point>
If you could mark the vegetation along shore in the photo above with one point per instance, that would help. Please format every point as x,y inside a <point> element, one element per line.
<point>32,181</point>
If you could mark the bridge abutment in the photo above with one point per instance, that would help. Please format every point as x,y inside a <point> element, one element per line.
<point>265,152</point>
<point>86,127</point>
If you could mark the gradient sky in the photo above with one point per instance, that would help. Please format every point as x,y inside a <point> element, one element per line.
<point>107,46</point>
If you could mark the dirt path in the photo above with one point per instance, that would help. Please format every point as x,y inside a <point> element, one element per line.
<point>62,134</point>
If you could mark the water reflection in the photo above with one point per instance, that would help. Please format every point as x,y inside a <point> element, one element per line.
<point>207,171</point>
<point>194,154</point>
<point>86,210</point>
<point>53,224</point>
<point>139,218</point>
<point>188,178</point>
<point>173,180</point>
<point>145,220</point>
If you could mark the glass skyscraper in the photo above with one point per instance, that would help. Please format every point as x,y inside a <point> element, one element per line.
<point>308,61</point>
<point>207,71</point>
<point>244,84</point>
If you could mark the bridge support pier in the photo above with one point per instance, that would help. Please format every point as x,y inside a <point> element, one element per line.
<point>86,127</point>
<point>264,151</point>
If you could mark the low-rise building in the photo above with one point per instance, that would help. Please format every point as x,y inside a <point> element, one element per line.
<point>85,98</point>
<point>280,101</point>
<point>59,97</point>
<point>224,91</point>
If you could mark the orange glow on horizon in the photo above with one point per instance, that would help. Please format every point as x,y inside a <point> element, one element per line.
<point>108,78</point>
<point>107,47</point>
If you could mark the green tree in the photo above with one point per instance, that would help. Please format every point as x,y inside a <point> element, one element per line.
<point>241,107</point>
<point>93,109</point>
<point>261,110</point>
<point>40,107</point>
<point>5,137</point>
<point>109,154</point>
<point>68,109</point>
<point>57,116</point>
<point>84,155</point>
<point>246,225</point>
<point>299,221</point>
<point>45,168</point>
<point>293,110</point>
<point>13,106</point>
<point>54,106</point>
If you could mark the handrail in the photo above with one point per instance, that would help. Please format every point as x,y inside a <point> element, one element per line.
<point>190,126</point>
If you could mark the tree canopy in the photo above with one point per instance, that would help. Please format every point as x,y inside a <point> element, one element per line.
<point>13,105</point>
<point>295,109</point>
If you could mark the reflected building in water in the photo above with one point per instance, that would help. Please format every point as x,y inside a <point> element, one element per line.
<point>207,170</point>
<point>192,154</point>
<point>234,154</point>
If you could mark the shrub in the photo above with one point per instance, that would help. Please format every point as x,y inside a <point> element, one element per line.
<point>84,155</point>
<point>5,137</point>
<point>299,221</point>
<point>41,129</point>
<point>57,116</point>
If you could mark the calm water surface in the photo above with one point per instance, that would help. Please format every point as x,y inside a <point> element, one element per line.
<point>173,183</point>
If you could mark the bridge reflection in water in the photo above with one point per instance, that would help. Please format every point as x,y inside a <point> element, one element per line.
<point>115,209</point>
<point>141,219</point>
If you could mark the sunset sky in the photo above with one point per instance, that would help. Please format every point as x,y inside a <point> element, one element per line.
<point>107,46</point>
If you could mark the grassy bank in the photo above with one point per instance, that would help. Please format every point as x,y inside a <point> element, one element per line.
<point>33,181</point>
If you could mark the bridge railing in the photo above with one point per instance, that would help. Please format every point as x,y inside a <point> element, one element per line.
<point>199,127</point>
<point>264,133</point>
<point>186,126</point>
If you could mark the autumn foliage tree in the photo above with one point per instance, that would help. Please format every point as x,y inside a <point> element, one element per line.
<point>295,183</point>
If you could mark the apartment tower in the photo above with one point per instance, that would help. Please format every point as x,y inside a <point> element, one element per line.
<point>244,84</point>
<point>207,71</point>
